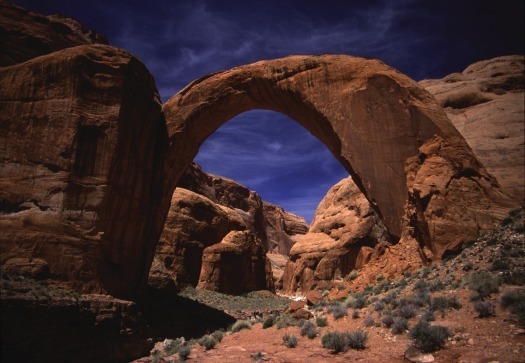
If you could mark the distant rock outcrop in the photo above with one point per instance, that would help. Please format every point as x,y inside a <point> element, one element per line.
<point>193,248</point>
<point>344,229</point>
<point>25,35</point>
<point>486,104</point>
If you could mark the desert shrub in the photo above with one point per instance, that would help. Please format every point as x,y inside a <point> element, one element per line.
<point>337,311</point>
<point>515,301</point>
<point>334,341</point>
<point>156,356</point>
<point>384,285</point>
<point>445,303</point>
<point>406,311</point>
<point>355,314</point>
<point>341,342</point>
<point>420,284</point>
<point>284,320</point>
<point>268,322</point>
<point>352,275</point>
<point>379,306</point>
<point>428,315</point>
<point>388,321</point>
<point>355,301</point>
<point>468,266</point>
<point>172,346</point>
<point>300,322</point>
<point>369,321</point>
<point>499,265</point>
<point>320,321</point>
<point>483,283</point>
<point>399,325</point>
<point>428,338</point>
<point>240,325</point>
<point>357,339</point>
<point>325,293</point>
<point>289,340</point>
<point>437,286</point>
<point>485,309</point>
<point>184,352</point>
<point>208,342</point>
<point>218,335</point>
<point>506,221</point>
<point>309,329</point>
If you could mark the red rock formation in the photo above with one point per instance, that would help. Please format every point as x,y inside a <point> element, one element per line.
<point>235,265</point>
<point>345,101</point>
<point>485,103</point>
<point>283,229</point>
<point>344,224</point>
<point>81,188</point>
<point>25,35</point>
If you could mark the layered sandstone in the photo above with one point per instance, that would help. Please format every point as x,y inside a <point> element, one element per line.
<point>485,103</point>
<point>25,35</point>
<point>235,265</point>
<point>283,229</point>
<point>81,188</point>
<point>344,230</point>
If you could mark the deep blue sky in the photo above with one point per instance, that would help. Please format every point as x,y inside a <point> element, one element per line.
<point>180,41</point>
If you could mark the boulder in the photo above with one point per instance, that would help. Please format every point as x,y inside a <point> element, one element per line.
<point>236,265</point>
<point>485,103</point>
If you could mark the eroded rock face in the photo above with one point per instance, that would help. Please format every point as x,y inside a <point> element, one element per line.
<point>283,229</point>
<point>202,217</point>
<point>81,189</point>
<point>25,35</point>
<point>194,222</point>
<point>485,103</point>
<point>235,265</point>
<point>417,164</point>
<point>344,226</point>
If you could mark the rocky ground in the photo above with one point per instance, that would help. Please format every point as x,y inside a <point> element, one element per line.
<point>485,278</point>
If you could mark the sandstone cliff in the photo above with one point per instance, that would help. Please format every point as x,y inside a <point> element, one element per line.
<point>485,103</point>
<point>81,188</point>
<point>25,35</point>
<point>342,237</point>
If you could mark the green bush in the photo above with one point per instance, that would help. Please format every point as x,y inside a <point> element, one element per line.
<point>240,325</point>
<point>268,322</point>
<point>309,329</point>
<point>208,342</point>
<point>289,340</point>
<point>485,309</point>
<point>284,320</point>
<point>445,303</point>
<point>483,283</point>
<point>428,338</point>
<point>341,342</point>
<point>321,321</point>
<point>184,352</point>
<point>218,335</point>
<point>337,311</point>
<point>399,325</point>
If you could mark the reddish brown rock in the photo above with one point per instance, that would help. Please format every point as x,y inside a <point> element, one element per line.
<point>344,224</point>
<point>344,101</point>
<point>25,35</point>
<point>296,305</point>
<point>485,103</point>
<point>194,222</point>
<point>313,297</point>
<point>301,314</point>
<point>235,265</point>
<point>283,229</point>
<point>81,189</point>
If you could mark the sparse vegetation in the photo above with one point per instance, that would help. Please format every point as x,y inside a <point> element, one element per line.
<point>515,301</point>
<point>399,325</point>
<point>321,321</point>
<point>388,321</point>
<point>240,325</point>
<point>485,309</point>
<point>355,314</point>
<point>445,303</point>
<point>309,329</point>
<point>337,311</point>
<point>483,283</point>
<point>184,352</point>
<point>208,342</point>
<point>284,320</point>
<point>218,335</point>
<point>341,342</point>
<point>428,338</point>
<point>369,321</point>
<point>268,322</point>
<point>289,340</point>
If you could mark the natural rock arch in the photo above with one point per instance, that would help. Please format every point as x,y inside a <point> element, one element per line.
<point>386,130</point>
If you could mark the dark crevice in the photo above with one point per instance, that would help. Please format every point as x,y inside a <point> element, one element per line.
<point>10,207</point>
